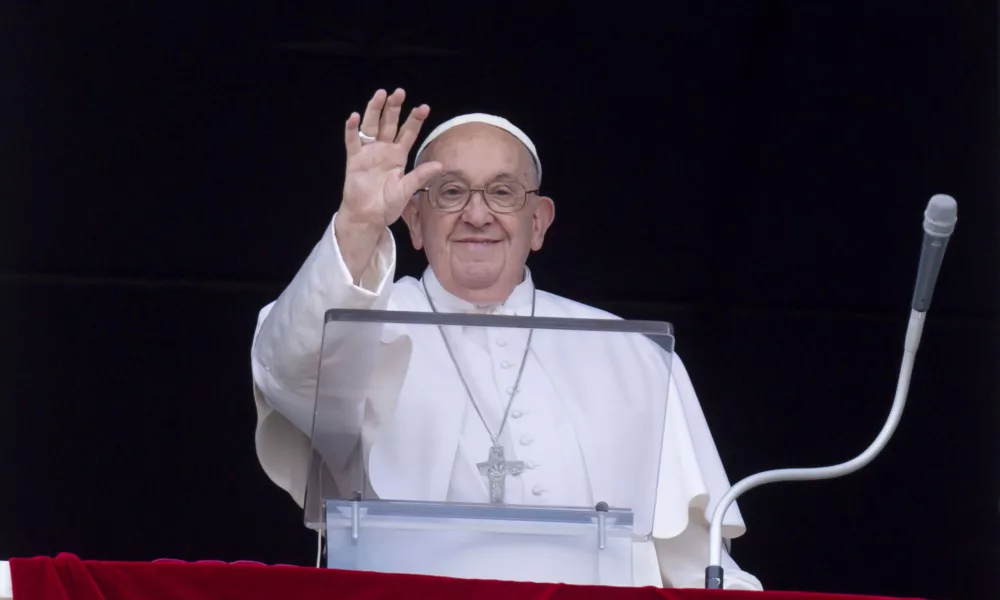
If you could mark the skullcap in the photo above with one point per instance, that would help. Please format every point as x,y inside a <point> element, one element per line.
<point>493,120</point>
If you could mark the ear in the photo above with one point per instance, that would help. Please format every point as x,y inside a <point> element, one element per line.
<point>411,215</point>
<point>545,213</point>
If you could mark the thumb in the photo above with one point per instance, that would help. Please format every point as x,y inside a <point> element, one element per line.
<point>418,177</point>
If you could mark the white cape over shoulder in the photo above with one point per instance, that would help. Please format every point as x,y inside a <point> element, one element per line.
<point>284,361</point>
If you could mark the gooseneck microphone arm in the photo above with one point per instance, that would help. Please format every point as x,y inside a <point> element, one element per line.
<point>939,223</point>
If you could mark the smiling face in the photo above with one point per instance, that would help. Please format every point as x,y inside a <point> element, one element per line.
<point>478,254</point>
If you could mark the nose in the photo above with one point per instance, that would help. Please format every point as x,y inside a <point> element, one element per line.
<point>476,212</point>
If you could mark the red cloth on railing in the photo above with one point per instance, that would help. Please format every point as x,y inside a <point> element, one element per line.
<point>66,577</point>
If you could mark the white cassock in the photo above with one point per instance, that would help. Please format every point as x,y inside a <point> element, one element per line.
<point>571,446</point>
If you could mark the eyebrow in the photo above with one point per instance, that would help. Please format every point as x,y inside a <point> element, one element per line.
<point>503,175</point>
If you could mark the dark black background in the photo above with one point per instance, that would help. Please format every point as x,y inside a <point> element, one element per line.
<point>753,172</point>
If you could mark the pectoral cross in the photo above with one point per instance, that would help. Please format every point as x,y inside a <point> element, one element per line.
<point>496,470</point>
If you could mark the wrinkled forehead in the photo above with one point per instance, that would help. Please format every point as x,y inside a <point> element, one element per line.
<point>480,151</point>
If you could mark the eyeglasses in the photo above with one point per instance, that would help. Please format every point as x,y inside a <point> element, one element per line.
<point>500,196</point>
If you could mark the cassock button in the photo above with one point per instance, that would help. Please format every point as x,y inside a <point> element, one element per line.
<point>516,414</point>
<point>526,440</point>
<point>538,490</point>
<point>506,365</point>
<point>530,464</point>
<point>501,342</point>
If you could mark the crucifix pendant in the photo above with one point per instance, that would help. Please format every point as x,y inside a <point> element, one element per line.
<point>496,470</point>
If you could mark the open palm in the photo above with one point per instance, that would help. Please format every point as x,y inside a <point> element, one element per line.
<point>376,185</point>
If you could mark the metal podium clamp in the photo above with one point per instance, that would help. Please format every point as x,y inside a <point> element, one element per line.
<point>602,531</point>
<point>355,517</point>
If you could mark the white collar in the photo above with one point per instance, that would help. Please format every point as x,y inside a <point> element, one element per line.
<point>518,303</point>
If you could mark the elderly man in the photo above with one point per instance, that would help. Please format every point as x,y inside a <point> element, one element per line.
<point>472,203</point>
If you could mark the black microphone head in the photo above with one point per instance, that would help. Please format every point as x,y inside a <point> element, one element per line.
<point>941,215</point>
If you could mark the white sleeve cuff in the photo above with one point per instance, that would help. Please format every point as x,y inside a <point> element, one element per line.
<point>377,274</point>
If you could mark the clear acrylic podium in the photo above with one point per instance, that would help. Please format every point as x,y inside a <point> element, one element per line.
<point>397,481</point>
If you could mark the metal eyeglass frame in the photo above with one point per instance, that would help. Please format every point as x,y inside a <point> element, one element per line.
<point>468,198</point>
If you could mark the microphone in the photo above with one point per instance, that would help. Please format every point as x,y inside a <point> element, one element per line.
<point>939,223</point>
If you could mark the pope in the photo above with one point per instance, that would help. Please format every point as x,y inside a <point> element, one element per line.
<point>521,417</point>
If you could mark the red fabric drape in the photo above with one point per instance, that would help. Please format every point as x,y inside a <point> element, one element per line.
<point>66,577</point>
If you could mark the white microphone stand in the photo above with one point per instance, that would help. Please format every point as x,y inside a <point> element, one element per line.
<point>935,241</point>
<point>713,575</point>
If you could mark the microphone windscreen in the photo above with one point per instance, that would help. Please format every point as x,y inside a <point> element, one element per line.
<point>941,215</point>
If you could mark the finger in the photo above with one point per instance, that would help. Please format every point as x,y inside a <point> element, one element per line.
<point>411,128</point>
<point>419,176</point>
<point>390,116</point>
<point>369,124</point>
<point>351,140</point>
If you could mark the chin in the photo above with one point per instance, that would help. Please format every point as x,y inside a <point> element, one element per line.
<point>476,275</point>
<point>474,279</point>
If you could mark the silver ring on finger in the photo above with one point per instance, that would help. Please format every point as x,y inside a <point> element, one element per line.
<point>365,138</point>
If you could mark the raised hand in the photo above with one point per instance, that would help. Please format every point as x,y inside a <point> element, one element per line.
<point>376,186</point>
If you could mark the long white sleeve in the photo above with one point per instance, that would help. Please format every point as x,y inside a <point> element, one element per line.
<point>683,559</point>
<point>692,481</point>
<point>286,347</point>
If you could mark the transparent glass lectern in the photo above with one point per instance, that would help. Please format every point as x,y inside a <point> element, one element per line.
<point>405,476</point>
